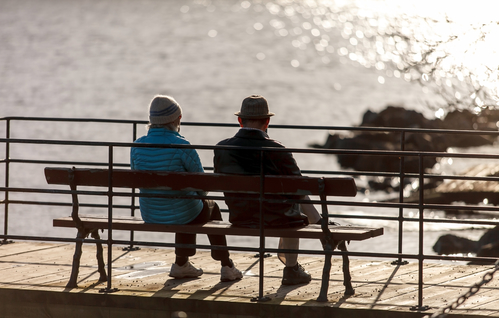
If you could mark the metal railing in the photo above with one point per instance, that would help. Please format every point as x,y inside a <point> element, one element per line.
<point>24,191</point>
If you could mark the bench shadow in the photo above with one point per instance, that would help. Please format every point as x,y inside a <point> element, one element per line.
<point>280,295</point>
<point>175,282</point>
<point>169,290</point>
<point>219,288</point>
<point>169,286</point>
<point>96,283</point>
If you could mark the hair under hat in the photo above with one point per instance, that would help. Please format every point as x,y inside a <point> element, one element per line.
<point>163,110</point>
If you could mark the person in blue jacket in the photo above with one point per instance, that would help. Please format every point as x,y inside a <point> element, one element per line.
<point>164,125</point>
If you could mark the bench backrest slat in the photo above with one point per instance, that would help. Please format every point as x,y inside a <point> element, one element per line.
<point>123,178</point>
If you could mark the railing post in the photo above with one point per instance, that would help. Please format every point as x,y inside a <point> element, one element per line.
<point>262,234</point>
<point>132,203</point>
<point>327,244</point>
<point>108,289</point>
<point>401,200</point>
<point>420,306</point>
<point>7,178</point>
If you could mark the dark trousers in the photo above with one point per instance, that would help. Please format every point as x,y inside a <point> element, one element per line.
<point>210,212</point>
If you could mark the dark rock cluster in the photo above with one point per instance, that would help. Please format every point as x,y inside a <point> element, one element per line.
<point>399,117</point>
<point>486,246</point>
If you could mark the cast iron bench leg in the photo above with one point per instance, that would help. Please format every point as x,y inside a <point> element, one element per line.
<point>326,270</point>
<point>347,279</point>
<point>325,279</point>
<point>77,257</point>
<point>100,257</point>
<point>76,260</point>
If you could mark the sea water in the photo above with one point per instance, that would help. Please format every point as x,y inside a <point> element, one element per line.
<point>107,59</point>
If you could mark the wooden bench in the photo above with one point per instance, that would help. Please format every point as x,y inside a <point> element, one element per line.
<point>333,236</point>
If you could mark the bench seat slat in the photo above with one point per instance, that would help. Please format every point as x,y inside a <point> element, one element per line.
<point>312,231</point>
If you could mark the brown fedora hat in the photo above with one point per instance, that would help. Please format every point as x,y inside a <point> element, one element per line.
<point>255,107</point>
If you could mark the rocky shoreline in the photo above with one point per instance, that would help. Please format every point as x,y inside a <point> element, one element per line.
<point>399,117</point>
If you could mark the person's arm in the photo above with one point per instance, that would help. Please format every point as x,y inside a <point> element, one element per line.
<point>132,164</point>
<point>192,163</point>
<point>290,167</point>
<point>310,211</point>
<point>285,163</point>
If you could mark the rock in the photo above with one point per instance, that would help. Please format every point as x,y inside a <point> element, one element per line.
<point>486,246</point>
<point>488,250</point>
<point>367,141</point>
<point>466,120</point>
<point>452,244</point>
<point>394,116</point>
<point>459,119</point>
<point>491,236</point>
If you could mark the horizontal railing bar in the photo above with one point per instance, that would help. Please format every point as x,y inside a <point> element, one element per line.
<point>408,205</point>
<point>329,202</point>
<point>340,216</point>
<point>304,172</point>
<point>273,149</point>
<point>355,173</point>
<point>459,258</point>
<point>161,244</point>
<point>67,204</point>
<point>303,127</point>
<point>78,163</point>
<point>322,172</point>
<point>248,249</point>
<point>69,119</point>
<point>461,177</point>
<point>415,220</point>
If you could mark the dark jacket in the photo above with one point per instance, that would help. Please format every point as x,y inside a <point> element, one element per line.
<point>247,212</point>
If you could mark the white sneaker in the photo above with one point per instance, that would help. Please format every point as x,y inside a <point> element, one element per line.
<point>229,274</point>
<point>185,271</point>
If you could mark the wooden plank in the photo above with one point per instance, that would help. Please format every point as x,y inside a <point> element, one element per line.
<point>13,249</point>
<point>312,231</point>
<point>186,181</point>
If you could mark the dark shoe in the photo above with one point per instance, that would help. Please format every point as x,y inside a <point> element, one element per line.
<point>295,275</point>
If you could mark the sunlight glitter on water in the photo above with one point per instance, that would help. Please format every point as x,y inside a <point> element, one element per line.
<point>450,45</point>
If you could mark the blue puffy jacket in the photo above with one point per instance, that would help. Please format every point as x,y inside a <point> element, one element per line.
<point>166,210</point>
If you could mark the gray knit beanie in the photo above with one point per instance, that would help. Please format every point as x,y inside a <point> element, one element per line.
<point>163,110</point>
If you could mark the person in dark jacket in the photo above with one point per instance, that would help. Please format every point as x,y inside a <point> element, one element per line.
<point>254,118</point>
<point>164,126</point>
